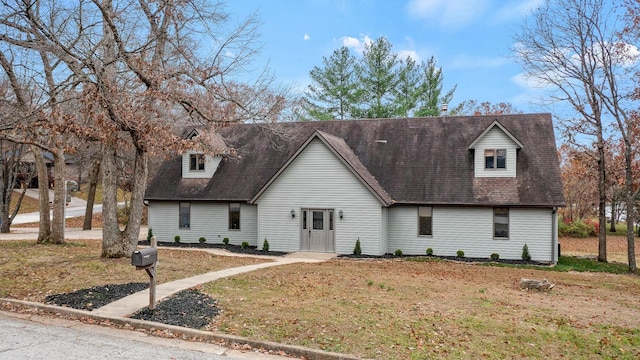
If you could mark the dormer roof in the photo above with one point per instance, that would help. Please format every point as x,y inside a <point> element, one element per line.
<point>497,124</point>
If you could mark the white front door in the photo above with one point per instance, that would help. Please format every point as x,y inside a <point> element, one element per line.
<point>317,230</point>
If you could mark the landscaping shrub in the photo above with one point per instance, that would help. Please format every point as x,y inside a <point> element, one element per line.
<point>495,256</point>
<point>525,253</point>
<point>460,253</point>
<point>149,234</point>
<point>398,252</point>
<point>176,238</point>
<point>577,229</point>
<point>357,250</point>
<point>202,240</point>
<point>244,244</point>
<point>265,245</point>
<point>225,241</point>
<point>429,251</point>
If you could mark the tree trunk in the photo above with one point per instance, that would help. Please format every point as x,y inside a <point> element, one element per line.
<point>602,194</point>
<point>59,201</point>
<point>114,241</point>
<point>94,175</point>
<point>612,227</point>
<point>630,200</point>
<point>16,208</point>
<point>44,231</point>
<point>138,187</point>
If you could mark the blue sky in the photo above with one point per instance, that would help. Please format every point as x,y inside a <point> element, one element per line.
<point>470,40</point>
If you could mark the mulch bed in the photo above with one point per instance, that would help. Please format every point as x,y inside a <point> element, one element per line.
<point>95,297</point>
<point>189,308</point>
<point>250,250</point>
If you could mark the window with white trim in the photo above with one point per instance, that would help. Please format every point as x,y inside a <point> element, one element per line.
<point>495,159</point>
<point>196,162</point>
<point>234,216</point>
<point>501,223</point>
<point>184,217</point>
<point>425,221</point>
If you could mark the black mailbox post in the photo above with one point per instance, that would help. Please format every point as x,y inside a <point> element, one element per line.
<point>147,259</point>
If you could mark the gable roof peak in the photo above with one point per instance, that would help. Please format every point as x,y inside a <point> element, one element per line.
<point>496,123</point>
<point>345,154</point>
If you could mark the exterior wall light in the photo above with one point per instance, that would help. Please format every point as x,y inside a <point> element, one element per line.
<point>341,214</point>
<point>293,214</point>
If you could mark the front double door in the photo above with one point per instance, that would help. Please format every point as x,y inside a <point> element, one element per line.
<point>317,230</point>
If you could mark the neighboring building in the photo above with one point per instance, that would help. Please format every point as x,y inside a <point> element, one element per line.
<point>481,184</point>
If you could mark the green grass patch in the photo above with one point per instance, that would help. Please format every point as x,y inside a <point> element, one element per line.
<point>571,263</point>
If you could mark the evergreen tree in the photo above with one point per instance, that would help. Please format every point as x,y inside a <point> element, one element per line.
<point>409,87</point>
<point>334,89</point>
<point>431,98</point>
<point>379,85</point>
<point>378,78</point>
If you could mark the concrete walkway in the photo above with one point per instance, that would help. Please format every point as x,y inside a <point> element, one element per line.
<point>140,300</point>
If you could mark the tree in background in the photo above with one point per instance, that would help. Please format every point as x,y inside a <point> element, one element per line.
<point>334,91</point>
<point>472,107</point>
<point>559,46</point>
<point>430,97</point>
<point>378,78</point>
<point>138,69</point>
<point>378,85</point>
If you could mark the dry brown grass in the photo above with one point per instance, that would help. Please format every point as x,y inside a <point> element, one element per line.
<point>31,272</point>
<point>395,309</point>
<point>616,247</point>
<point>28,204</point>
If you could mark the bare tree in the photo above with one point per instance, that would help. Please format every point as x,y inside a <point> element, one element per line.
<point>139,66</point>
<point>561,46</point>
<point>473,107</point>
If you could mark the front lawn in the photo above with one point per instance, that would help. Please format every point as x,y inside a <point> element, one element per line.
<point>30,272</point>
<point>398,309</point>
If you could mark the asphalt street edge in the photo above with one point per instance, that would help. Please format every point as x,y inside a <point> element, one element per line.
<point>230,341</point>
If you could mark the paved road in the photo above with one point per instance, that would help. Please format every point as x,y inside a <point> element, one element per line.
<point>61,339</point>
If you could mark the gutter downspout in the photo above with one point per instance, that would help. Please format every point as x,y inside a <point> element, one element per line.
<point>554,235</point>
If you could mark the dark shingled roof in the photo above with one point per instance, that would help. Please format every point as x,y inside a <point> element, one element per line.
<point>403,161</point>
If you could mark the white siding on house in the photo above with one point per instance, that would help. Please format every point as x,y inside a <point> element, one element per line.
<point>317,179</point>
<point>208,219</point>
<point>210,165</point>
<point>495,139</point>
<point>384,228</point>
<point>471,230</point>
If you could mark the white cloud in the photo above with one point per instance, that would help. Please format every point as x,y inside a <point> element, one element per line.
<point>356,44</point>
<point>306,37</point>
<point>529,82</point>
<point>452,14</point>
<point>403,54</point>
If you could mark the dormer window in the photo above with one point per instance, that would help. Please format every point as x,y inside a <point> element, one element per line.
<point>495,159</point>
<point>196,162</point>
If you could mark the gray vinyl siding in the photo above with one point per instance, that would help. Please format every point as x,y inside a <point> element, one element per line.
<point>471,230</point>
<point>317,179</point>
<point>495,139</point>
<point>384,229</point>
<point>208,219</point>
<point>210,165</point>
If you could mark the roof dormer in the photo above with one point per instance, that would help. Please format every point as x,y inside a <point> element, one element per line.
<point>198,164</point>
<point>495,152</point>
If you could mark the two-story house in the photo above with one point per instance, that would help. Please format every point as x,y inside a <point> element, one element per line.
<point>481,184</point>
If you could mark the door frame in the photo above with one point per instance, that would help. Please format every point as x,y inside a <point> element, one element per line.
<point>329,229</point>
